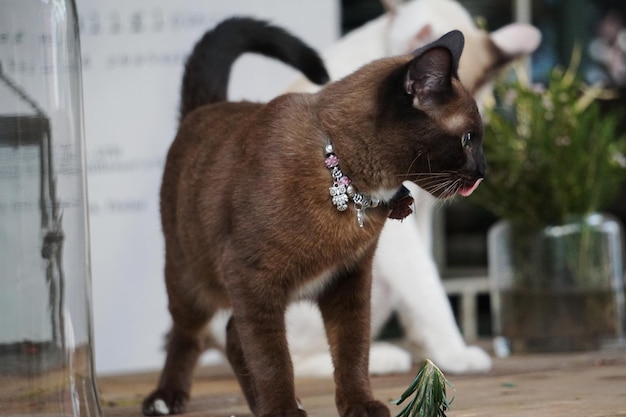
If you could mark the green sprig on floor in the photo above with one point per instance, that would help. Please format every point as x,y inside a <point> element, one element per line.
<point>430,398</point>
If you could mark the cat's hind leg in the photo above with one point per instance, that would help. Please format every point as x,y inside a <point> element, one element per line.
<point>185,343</point>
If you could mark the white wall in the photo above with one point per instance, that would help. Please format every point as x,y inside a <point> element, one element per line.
<point>133,51</point>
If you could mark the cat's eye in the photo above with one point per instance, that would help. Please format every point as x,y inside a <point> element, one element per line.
<point>466,139</point>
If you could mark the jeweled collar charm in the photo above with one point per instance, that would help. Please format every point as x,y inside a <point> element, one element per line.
<point>343,190</point>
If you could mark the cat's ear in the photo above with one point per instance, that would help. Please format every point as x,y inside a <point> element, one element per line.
<point>429,75</point>
<point>516,39</point>
<point>421,38</point>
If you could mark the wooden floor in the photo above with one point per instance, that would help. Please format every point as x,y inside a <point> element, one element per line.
<point>547,385</point>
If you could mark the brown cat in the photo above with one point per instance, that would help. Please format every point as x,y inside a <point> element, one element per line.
<point>263,204</point>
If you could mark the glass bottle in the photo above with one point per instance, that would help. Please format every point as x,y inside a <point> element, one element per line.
<point>560,288</point>
<point>46,356</point>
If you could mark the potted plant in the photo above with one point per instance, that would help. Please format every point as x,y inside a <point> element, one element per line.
<point>555,260</point>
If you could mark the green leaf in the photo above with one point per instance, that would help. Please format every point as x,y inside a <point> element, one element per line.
<point>429,387</point>
<point>552,153</point>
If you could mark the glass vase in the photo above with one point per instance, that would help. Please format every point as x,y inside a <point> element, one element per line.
<point>46,363</point>
<point>559,288</point>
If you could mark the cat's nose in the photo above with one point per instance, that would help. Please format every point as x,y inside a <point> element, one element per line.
<point>476,167</point>
<point>481,169</point>
<point>478,163</point>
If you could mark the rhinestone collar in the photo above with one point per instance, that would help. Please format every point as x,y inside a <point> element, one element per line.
<point>342,190</point>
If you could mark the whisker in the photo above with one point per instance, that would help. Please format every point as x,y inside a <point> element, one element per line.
<point>428,174</point>
<point>444,189</point>
<point>413,162</point>
<point>443,180</point>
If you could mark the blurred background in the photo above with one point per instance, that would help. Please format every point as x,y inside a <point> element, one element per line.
<point>133,52</point>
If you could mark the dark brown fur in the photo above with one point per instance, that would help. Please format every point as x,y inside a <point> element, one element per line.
<point>249,223</point>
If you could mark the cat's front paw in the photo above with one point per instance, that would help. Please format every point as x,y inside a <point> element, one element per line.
<point>470,359</point>
<point>316,365</point>
<point>370,409</point>
<point>386,358</point>
<point>164,402</point>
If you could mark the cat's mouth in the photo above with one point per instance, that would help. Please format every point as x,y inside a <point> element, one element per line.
<point>467,191</point>
<point>450,187</point>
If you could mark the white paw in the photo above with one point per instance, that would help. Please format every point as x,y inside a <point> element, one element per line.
<point>386,358</point>
<point>316,365</point>
<point>471,359</point>
<point>161,408</point>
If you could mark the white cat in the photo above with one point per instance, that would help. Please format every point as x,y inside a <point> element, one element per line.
<point>405,276</point>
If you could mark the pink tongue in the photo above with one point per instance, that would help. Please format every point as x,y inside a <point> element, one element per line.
<point>466,192</point>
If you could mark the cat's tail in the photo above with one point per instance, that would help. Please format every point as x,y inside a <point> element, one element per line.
<point>208,67</point>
